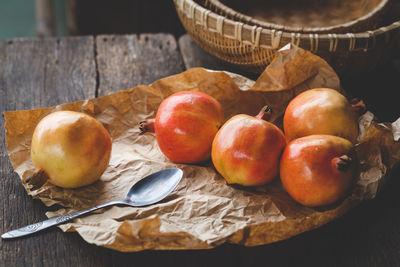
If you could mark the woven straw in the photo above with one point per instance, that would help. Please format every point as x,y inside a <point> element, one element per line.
<point>304,16</point>
<point>252,47</point>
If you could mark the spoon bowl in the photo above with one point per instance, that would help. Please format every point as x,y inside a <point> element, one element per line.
<point>154,187</point>
<point>149,190</point>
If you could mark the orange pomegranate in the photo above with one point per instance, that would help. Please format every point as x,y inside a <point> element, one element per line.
<point>246,150</point>
<point>321,111</point>
<point>318,170</point>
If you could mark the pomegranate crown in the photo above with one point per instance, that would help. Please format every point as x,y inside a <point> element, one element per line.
<point>265,113</point>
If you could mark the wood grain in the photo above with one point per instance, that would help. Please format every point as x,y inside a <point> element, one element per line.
<point>125,61</point>
<point>36,73</point>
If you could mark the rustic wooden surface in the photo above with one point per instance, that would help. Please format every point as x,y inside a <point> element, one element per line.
<point>37,73</point>
<point>125,61</point>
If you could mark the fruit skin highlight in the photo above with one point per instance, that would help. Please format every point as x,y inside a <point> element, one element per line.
<point>185,126</point>
<point>246,150</point>
<point>321,111</point>
<point>318,170</point>
<point>72,148</point>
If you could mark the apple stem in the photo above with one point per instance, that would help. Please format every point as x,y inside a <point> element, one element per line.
<point>147,126</point>
<point>358,106</point>
<point>342,163</point>
<point>265,113</point>
<point>37,179</point>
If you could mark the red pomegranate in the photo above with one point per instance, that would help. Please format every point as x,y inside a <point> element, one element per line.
<point>185,126</point>
<point>318,170</point>
<point>246,150</point>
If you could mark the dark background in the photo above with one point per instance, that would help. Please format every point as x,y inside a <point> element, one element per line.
<point>83,17</point>
<point>127,16</point>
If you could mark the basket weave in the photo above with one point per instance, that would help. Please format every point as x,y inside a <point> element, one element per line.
<point>305,16</point>
<point>252,47</point>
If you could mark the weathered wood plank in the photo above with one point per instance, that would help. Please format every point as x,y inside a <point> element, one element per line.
<point>36,73</point>
<point>41,73</point>
<point>125,61</point>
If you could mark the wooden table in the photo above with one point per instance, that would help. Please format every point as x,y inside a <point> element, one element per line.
<point>42,72</point>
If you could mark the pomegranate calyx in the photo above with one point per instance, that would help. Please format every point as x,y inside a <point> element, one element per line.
<point>265,113</point>
<point>147,126</point>
<point>37,179</point>
<point>342,163</point>
<point>358,106</point>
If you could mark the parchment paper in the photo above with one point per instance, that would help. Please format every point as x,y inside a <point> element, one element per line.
<point>203,211</point>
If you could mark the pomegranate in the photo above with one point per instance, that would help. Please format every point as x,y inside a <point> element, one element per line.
<point>246,150</point>
<point>318,170</point>
<point>72,148</point>
<point>321,111</point>
<point>185,125</point>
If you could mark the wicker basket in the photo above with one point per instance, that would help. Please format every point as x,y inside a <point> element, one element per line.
<point>304,16</point>
<point>252,47</point>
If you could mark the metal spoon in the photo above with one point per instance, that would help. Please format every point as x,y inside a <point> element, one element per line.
<point>149,190</point>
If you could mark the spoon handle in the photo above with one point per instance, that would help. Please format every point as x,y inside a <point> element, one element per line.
<point>36,227</point>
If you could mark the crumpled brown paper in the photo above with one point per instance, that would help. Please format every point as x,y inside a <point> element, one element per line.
<point>301,71</point>
<point>203,211</point>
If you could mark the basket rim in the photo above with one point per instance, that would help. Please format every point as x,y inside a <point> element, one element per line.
<point>230,11</point>
<point>262,37</point>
